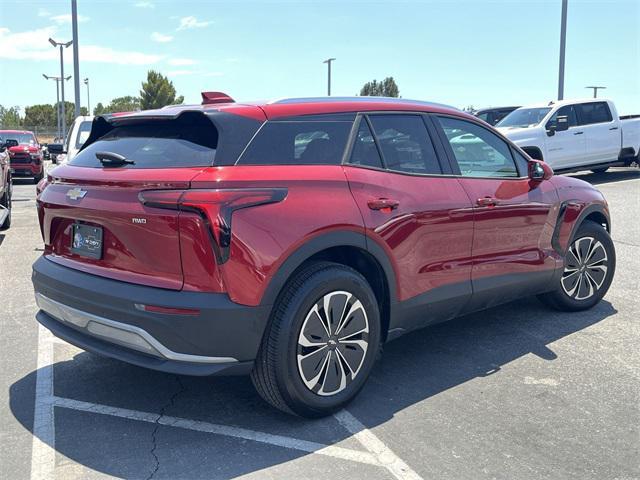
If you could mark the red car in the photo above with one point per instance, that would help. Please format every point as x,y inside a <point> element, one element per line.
<point>26,157</point>
<point>290,239</point>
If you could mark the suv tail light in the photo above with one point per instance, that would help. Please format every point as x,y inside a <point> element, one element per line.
<point>215,206</point>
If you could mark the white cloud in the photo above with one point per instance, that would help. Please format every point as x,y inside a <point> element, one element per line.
<point>176,73</point>
<point>159,37</point>
<point>34,45</point>
<point>66,18</point>
<point>43,12</point>
<point>144,4</point>
<point>213,74</point>
<point>179,62</point>
<point>192,22</point>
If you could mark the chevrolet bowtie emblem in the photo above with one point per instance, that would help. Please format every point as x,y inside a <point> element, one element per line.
<point>76,193</point>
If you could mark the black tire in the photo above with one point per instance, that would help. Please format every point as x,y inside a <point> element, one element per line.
<point>281,375</point>
<point>37,178</point>
<point>6,202</point>
<point>600,170</point>
<point>584,282</point>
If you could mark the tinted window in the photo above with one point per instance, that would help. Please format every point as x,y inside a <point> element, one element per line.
<point>568,111</point>
<point>405,143</point>
<point>479,152</point>
<point>304,142</point>
<point>596,112</point>
<point>189,141</point>
<point>364,150</point>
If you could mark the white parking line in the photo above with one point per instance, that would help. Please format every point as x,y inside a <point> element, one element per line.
<point>43,454</point>
<point>217,429</point>
<point>43,450</point>
<point>396,466</point>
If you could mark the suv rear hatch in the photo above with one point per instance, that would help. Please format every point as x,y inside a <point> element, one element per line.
<point>91,215</point>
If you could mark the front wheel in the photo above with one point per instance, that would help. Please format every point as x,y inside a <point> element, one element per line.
<point>321,343</point>
<point>590,263</point>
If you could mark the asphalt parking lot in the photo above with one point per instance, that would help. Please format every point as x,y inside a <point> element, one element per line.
<point>516,392</point>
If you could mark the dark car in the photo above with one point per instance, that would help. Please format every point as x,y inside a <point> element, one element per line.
<point>26,157</point>
<point>6,185</point>
<point>493,115</point>
<point>291,239</point>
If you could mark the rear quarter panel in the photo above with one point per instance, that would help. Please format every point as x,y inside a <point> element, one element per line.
<point>318,202</point>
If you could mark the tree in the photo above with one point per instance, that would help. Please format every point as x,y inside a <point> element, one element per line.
<point>124,104</point>
<point>10,117</point>
<point>99,109</point>
<point>42,115</point>
<point>385,88</point>
<point>158,92</point>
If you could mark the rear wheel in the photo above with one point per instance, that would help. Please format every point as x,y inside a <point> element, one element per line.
<point>600,170</point>
<point>322,341</point>
<point>590,263</point>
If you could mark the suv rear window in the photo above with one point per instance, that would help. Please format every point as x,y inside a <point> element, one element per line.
<point>304,142</point>
<point>188,141</point>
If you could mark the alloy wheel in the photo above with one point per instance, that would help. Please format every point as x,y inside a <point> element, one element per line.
<point>586,267</point>
<point>332,343</point>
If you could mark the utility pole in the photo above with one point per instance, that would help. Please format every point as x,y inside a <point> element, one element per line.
<point>63,113</point>
<point>563,42</point>
<point>58,116</point>
<point>76,63</point>
<point>328,62</point>
<point>86,82</point>
<point>595,90</point>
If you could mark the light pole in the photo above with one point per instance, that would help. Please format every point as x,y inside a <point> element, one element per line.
<point>63,113</point>
<point>76,67</point>
<point>328,62</point>
<point>86,82</point>
<point>58,118</point>
<point>595,90</point>
<point>563,42</point>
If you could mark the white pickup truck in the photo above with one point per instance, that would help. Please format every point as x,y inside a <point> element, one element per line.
<point>573,135</point>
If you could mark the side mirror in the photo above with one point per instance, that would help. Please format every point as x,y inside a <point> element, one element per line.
<point>539,171</point>
<point>560,124</point>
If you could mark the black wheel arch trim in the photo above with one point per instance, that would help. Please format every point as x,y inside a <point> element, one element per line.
<point>588,210</point>
<point>317,244</point>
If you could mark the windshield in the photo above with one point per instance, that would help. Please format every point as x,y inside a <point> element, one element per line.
<point>524,117</point>
<point>22,138</point>
<point>84,129</point>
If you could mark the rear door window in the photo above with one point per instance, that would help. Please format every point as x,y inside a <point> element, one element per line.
<point>304,141</point>
<point>595,112</point>
<point>188,141</point>
<point>405,143</point>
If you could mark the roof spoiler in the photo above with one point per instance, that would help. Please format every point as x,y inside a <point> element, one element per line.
<point>209,98</point>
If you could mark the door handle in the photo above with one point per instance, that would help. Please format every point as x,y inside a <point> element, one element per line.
<point>613,128</point>
<point>487,202</point>
<point>578,133</point>
<point>385,204</point>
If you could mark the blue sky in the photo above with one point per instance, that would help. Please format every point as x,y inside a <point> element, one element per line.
<point>456,52</point>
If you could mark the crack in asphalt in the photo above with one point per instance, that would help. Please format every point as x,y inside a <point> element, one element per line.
<point>154,440</point>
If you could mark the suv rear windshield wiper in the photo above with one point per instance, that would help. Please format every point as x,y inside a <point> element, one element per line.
<point>111,158</point>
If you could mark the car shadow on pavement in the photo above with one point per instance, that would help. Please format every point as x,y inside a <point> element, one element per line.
<point>610,176</point>
<point>413,369</point>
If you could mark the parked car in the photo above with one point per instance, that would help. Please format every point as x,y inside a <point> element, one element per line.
<point>495,114</point>
<point>78,134</point>
<point>6,186</point>
<point>26,156</point>
<point>575,135</point>
<point>291,239</point>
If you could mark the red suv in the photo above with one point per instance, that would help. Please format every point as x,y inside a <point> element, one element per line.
<point>291,239</point>
<point>26,157</point>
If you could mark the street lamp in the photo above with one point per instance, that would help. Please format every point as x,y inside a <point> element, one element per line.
<point>57,79</point>
<point>328,62</point>
<point>86,82</point>
<point>63,114</point>
<point>595,90</point>
<point>563,43</point>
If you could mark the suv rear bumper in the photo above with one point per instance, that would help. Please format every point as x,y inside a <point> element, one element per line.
<point>100,315</point>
